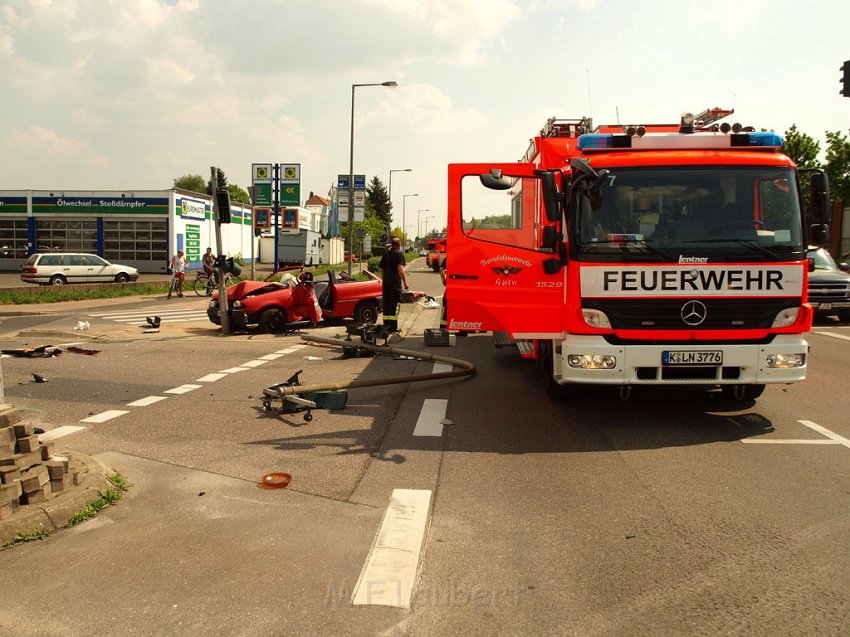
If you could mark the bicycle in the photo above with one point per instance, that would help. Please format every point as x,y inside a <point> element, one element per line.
<point>205,284</point>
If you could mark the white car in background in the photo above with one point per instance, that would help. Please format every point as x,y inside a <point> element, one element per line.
<point>59,268</point>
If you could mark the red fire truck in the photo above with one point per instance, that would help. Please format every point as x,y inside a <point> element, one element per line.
<point>640,255</point>
<point>436,252</point>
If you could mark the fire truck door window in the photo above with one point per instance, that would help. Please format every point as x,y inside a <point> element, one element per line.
<point>500,216</point>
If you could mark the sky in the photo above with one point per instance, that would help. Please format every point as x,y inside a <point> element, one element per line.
<point>130,94</point>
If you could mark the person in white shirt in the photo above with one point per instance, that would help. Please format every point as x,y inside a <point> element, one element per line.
<point>178,265</point>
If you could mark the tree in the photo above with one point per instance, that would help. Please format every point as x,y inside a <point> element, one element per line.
<point>802,148</point>
<point>194,183</point>
<point>238,194</point>
<point>378,198</point>
<point>220,178</point>
<point>838,165</point>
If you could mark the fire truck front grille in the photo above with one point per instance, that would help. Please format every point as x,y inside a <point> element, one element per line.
<point>671,314</point>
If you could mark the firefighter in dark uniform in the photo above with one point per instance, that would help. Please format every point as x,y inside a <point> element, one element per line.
<point>394,277</point>
<point>443,320</point>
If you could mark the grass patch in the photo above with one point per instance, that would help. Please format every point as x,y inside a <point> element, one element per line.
<point>56,294</point>
<point>39,533</point>
<point>105,498</point>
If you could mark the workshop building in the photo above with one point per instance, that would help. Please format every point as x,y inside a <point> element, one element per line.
<point>136,228</point>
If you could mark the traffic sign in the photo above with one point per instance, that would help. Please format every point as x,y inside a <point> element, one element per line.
<point>290,195</point>
<point>261,174</point>
<point>263,194</point>
<point>290,173</point>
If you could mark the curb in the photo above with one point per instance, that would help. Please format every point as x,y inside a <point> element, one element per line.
<point>56,512</point>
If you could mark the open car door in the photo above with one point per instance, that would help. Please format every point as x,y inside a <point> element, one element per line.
<point>496,278</point>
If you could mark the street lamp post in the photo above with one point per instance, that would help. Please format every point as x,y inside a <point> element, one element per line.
<point>403,211</point>
<point>351,175</point>
<point>426,223</point>
<point>390,194</point>
<point>418,227</point>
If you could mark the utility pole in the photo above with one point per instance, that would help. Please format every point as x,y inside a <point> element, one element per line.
<point>222,291</point>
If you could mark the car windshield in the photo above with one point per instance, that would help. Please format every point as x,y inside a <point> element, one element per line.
<point>822,259</point>
<point>742,212</point>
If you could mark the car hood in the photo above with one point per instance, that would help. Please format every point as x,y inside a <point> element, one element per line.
<point>247,289</point>
<point>829,276</point>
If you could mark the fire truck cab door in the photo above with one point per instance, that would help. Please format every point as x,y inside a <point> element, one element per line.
<point>495,274</point>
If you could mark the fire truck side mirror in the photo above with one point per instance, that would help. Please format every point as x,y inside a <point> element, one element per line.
<point>550,196</point>
<point>494,180</point>
<point>551,237</point>
<point>819,192</point>
<point>819,234</point>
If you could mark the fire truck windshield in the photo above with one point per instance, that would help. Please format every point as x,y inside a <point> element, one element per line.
<point>741,213</point>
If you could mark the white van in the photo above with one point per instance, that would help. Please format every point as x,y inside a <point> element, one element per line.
<point>59,268</point>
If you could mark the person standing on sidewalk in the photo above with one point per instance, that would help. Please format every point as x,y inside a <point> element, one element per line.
<point>394,277</point>
<point>178,265</point>
<point>443,314</point>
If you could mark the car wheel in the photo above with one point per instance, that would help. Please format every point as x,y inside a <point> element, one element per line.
<point>366,312</point>
<point>57,279</point>
<point>272,320</point>
<point>122,277</point>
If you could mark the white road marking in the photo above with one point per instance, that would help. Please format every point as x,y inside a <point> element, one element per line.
<point>106,415</point>
<point>167,315</point>
<point>831,438</point>
<point>288,350</point>
<point>254,363</point>
<point>144,402</point>
<point>439,368</point>
<point>432,412</point>
<point>210,378</point>
<point>270,357</point>
<point>59,432</point>
<point>789,441</point>
<point>834,335</point>
<point>182,389</point>
<point>389,573</point>
<point>233,370</point>
<point>826,432</point>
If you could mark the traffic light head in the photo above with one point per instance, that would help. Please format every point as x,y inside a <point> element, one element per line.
<point>845,79</point>
<point>222,199</point>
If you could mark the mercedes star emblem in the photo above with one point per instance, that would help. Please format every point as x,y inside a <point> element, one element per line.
<point>693,313</point>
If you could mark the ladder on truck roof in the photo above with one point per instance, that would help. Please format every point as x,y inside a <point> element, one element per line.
<point>556,127</point>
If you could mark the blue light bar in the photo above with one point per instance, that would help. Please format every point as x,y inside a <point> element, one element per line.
<point>765,139</point>
<point>595,140</point>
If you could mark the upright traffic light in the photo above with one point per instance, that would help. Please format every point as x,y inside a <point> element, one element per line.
<point>845,79</point>
<point>223,201</point>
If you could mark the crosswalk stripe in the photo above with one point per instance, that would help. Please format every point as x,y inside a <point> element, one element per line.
<point>166,316</point>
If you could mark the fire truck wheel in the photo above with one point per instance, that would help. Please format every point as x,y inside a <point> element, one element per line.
<point>742,392</point>
<point>366,312</point>
<point>272,320</point>
<point>547,371</point>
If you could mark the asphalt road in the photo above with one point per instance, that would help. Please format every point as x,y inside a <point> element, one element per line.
<point>675,512</point>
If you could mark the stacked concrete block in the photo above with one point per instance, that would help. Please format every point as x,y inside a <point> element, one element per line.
<point>29,472</point>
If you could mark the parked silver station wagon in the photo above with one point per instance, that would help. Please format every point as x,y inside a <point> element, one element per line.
<point>59,268</point>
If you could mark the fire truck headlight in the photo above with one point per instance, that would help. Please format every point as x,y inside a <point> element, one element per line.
<point>784,361</point>
<point>595,318</point>
<point>591,361</point>
<point>786,317</point>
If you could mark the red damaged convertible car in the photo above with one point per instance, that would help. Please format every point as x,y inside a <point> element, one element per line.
<point>272,305</point>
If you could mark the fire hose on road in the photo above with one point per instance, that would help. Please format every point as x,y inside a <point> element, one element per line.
<point>296,397</point>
